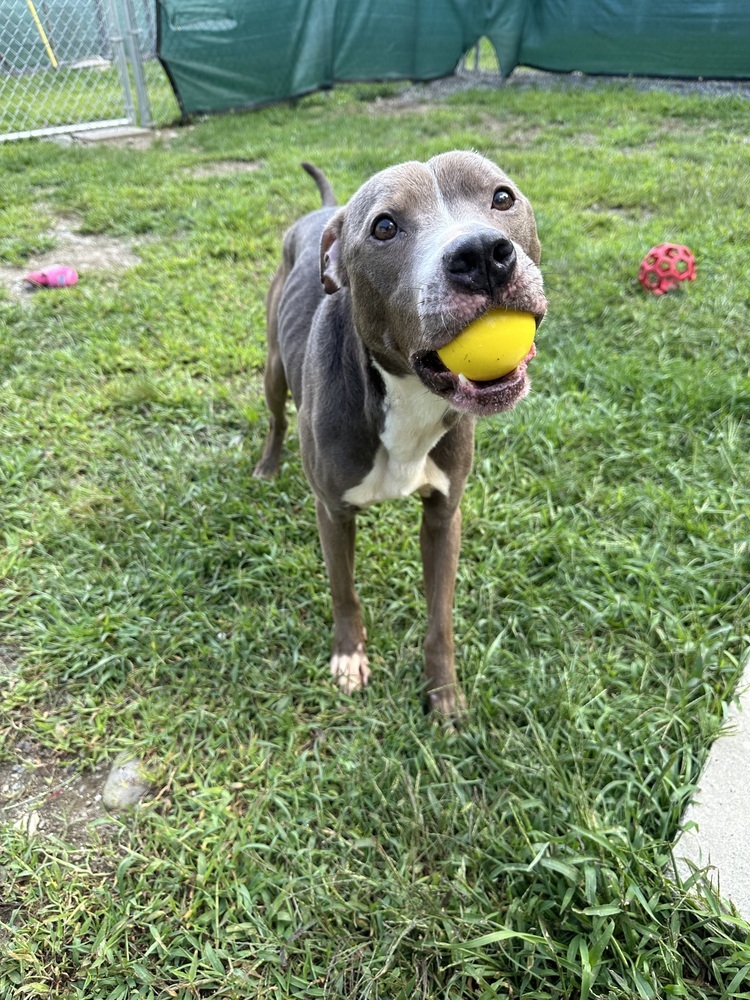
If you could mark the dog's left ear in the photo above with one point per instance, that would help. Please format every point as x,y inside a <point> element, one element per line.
<point>332,272</point>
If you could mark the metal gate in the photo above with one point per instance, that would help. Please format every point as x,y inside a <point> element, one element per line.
<point>69,65</point>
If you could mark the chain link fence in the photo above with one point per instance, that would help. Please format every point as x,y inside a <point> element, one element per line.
<point>69,65</point>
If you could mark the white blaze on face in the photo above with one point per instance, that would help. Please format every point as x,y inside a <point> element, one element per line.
<point>436,294</point>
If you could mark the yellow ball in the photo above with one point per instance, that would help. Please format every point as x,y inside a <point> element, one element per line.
<point>491,346</point>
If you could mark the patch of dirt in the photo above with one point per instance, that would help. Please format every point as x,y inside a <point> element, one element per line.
<point>76,249</point>
<point>423,93</point>
<point>523,78</point>
<point>512,129</point>
<point>8,662</point>
<point>223,167</point>
<point>43,796</point>
<point>50,799</point>
<point>398,107</point>
<point>629,213</point>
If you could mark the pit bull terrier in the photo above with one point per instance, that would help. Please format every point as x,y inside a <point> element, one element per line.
<point>365,296</point>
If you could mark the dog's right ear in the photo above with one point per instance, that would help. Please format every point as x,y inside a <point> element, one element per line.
<point>332,272</point>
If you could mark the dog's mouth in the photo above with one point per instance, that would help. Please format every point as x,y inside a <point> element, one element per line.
<point>479,398</point>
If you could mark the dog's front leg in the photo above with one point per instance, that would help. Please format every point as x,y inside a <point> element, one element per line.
<point>440,539</point>
<point>348,660</point>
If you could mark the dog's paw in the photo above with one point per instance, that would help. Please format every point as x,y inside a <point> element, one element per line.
<point>265,470</point>
<point>447,703</point>
<point>351,670</point>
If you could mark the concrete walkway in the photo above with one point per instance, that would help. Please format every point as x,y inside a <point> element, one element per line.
<point>720,810</point>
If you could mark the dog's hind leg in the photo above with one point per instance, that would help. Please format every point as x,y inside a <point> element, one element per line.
<point>275,385</point>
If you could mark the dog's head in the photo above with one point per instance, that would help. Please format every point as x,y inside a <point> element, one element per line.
<point>425,249</point>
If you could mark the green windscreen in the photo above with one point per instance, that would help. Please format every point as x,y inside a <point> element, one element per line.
<point>244,53</point>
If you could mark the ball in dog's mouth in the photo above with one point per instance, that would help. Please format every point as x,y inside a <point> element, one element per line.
<point>473,396</point>
<point>491,346</point>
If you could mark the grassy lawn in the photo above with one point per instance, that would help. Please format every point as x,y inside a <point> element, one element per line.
<point>154,598</point>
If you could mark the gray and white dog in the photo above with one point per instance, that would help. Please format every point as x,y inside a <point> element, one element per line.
<point>365,296</point>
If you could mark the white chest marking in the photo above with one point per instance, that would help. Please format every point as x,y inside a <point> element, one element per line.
<point>413,426</point>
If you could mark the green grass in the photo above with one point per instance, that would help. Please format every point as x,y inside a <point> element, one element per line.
<point>162,601</point>
<point>482,57</point>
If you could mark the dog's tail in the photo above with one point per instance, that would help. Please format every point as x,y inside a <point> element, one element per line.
<point>326,191</point>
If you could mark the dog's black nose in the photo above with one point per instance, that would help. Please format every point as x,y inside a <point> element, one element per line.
<point>480,262</point>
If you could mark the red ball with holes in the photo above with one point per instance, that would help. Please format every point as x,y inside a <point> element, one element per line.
<point>666,266</point>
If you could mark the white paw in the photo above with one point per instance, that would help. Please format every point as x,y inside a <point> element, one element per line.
<point>351,670</point>
<point>447,702</point>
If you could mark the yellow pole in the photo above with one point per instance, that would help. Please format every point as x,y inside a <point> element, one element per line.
<point>42,33</point>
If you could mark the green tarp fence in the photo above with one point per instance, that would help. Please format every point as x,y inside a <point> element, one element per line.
<point>222,54</point>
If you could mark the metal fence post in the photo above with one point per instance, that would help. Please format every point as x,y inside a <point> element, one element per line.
<point>136,61</point>
<point>118,48</point>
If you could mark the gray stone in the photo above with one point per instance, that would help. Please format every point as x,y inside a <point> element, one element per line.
<point>126,784</point>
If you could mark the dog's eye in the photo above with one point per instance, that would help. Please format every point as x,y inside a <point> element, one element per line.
<point>503,199</point>
<point>384,228</point>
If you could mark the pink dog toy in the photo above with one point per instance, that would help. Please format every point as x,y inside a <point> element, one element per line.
<point>59,275</point>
